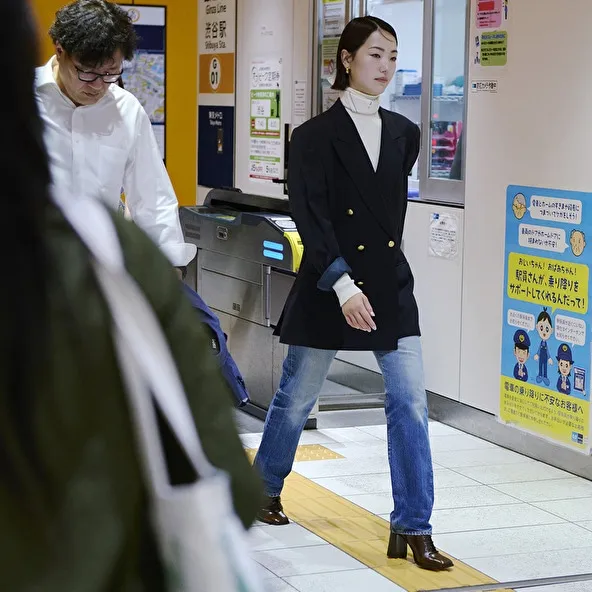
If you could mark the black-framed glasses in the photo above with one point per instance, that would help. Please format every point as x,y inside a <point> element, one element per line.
<point>85,76</point>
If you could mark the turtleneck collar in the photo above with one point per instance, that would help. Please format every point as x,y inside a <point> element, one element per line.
<point>359,102</point>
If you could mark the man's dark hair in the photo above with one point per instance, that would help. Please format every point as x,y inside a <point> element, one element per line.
<point>354,35</point>
<point>93,30</point>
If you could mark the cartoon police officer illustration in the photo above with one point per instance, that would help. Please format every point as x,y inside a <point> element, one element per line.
<point>565,364</point>
<point>522,353</point>
<point>544,328</point>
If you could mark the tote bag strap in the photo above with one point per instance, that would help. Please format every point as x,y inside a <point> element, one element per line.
<point>146,363</point>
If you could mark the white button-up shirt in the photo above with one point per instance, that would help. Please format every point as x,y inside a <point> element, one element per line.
<point>98,150</point>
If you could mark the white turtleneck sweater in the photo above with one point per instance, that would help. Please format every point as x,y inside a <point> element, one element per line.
<point>363,109</point>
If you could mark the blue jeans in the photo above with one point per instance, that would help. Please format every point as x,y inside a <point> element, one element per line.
<point>304,372</point>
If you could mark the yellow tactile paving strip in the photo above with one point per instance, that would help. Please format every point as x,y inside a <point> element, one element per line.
<point>306,452</point>
<point>360,533</point>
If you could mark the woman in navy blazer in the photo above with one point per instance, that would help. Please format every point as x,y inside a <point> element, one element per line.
<point>347,181</point>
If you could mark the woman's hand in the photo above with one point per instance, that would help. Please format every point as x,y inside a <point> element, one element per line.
<point>358,313</point>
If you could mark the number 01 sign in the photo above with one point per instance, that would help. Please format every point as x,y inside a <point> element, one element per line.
<point>215,73</point>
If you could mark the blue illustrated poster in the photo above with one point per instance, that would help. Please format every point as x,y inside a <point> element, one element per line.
<point>546,352</point>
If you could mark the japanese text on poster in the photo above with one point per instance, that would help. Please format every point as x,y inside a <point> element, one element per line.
<point>265,113</point>
<point>333,17</point>
<point>299,103</point>
<point>443,235</point>
<point>489,14</point>
<point>329,58</point>
<point>266,146</point>
<point>494,48</point>
<point>546,357</point>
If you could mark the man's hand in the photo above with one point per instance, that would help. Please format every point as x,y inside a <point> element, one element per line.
<point>358,313</point>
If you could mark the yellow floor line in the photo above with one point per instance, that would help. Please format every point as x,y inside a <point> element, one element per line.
<point>360,533</point>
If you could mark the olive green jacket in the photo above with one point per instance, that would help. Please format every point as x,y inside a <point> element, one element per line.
<point>82,525</point>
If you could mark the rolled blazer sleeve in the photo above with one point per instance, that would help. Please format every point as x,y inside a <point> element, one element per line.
<point>307,186</point>
<point>151,198</point>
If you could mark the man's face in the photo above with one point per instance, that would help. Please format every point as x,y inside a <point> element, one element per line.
<point>79,91</point>
<point>578,243</point>
<point>519,207</point>
<point>521,354</point>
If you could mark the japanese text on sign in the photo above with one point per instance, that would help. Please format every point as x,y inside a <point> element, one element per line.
<point>494,48</point>
<point>216,26</point>
<point>570,330</point>
<point>522,320</point>
<point>556,209</point>
<point>548,282</point>
<point>489,13</point>
<point>484,86</point>
<point>542,237</point>
<point>545,412</point>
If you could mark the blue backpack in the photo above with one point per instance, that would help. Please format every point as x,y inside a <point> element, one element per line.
<point>228,366</point>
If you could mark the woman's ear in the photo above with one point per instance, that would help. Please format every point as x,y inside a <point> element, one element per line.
<point>346,58</point>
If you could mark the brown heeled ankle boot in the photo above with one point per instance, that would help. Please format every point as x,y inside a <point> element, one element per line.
<point>425,553</point>
<point>273,512</point>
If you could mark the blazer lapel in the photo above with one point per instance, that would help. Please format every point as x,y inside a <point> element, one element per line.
<point>392,158</point>
<point>373,186</point>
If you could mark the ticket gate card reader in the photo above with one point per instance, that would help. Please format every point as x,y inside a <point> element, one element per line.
<point>249,252</point>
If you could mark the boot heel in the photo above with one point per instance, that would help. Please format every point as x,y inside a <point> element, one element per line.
<point>397,547</point>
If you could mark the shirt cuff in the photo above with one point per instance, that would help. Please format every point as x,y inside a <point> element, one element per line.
<point>332,274</point>
<point>345,288</point>
<point>179,254</point>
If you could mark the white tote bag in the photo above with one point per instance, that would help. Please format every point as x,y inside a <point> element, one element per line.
<point>202,543</point>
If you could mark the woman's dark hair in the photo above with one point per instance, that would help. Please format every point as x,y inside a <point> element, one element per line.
<point>25,198</point>
<point>354,35</point>
<point>93,30</point>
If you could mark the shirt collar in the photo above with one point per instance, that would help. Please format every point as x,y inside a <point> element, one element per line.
<point>45,75</point>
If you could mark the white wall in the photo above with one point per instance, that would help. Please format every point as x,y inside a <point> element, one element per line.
<point>534,131</point>
<point>270,29</point>
<point>438,291</point>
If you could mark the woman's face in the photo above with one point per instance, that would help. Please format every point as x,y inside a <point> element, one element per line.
<point>374,64</point>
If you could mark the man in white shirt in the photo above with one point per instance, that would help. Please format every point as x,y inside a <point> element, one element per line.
<point>98,136</point>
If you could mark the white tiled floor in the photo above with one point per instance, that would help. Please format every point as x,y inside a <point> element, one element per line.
<point>507,515</point>
<point>292,558</point>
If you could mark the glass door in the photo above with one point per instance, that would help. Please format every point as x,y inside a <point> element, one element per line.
<point>403,95</point>
<point>446,61</point>
<point>428,87</point>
